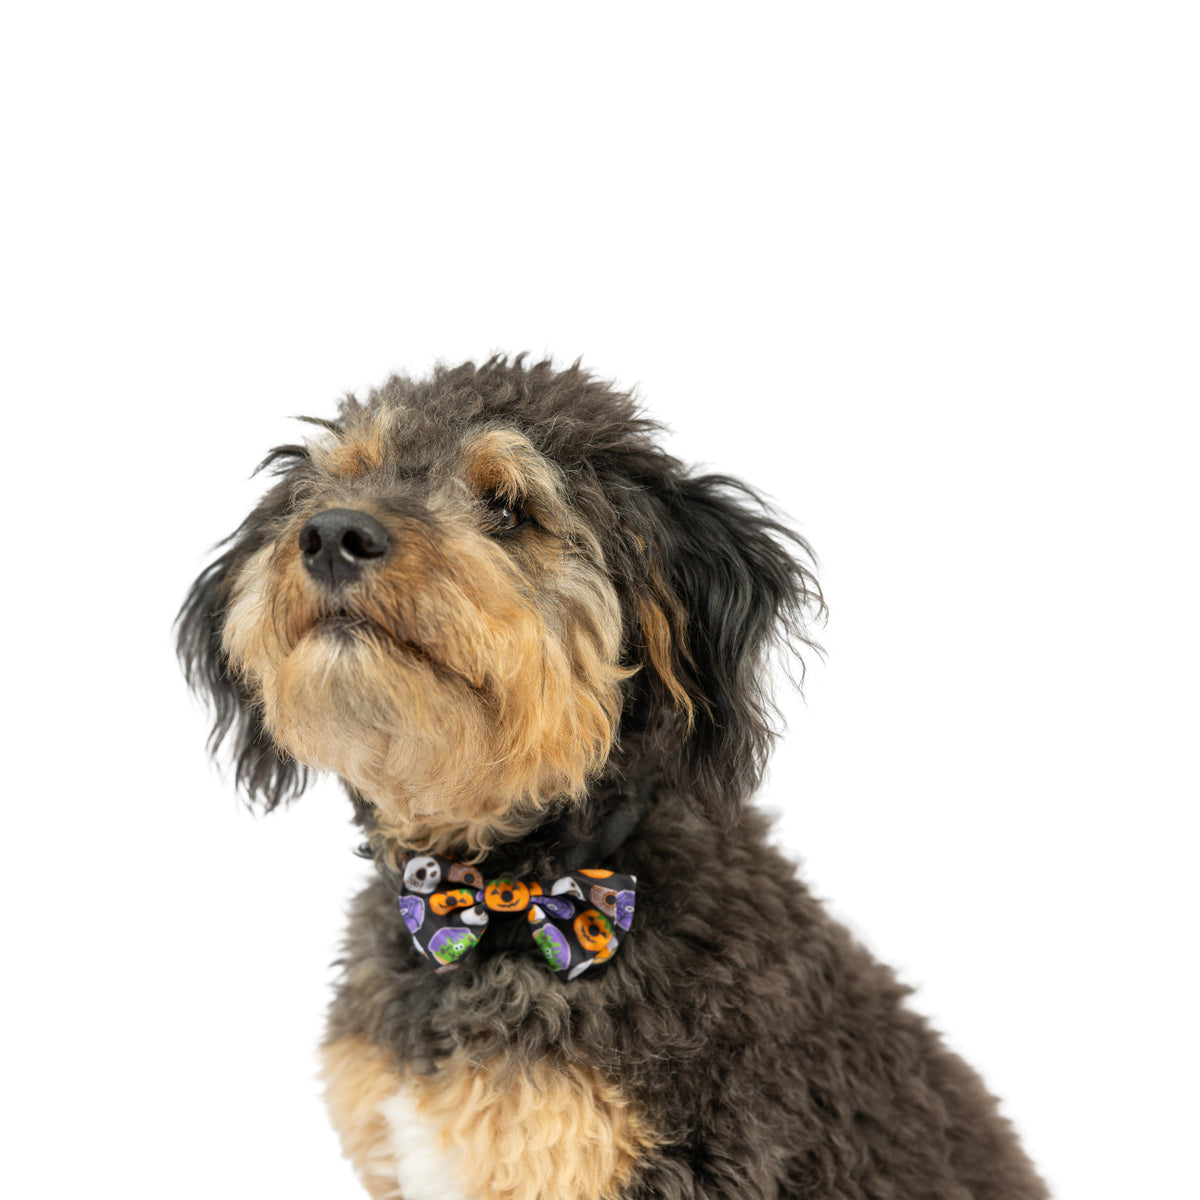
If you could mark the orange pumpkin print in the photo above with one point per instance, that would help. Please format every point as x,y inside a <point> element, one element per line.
<point>595,874</point>
<point>593,929</point>
<point>509,895</point>
<point>446,902</point>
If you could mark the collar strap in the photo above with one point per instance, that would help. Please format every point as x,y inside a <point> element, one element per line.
<point>612,833</point>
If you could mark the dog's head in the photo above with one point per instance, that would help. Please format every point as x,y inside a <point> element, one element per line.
<point>468,594</point>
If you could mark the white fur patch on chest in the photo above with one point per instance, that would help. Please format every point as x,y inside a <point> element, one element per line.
<point>425,1169</point>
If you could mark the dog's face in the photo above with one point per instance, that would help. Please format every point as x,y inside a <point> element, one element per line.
<point>463,594</point>
<point>430,617</point>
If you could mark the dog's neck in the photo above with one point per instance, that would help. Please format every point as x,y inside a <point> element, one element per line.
<point>582,837</point>
<point>575,835</point>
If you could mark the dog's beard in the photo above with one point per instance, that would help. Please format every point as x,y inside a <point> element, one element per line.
<point>410,736</point>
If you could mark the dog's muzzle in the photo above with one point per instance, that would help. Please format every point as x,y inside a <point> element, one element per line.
<point>339,543</point>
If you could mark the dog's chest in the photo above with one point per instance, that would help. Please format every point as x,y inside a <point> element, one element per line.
<point>551,1131</point>
<point>426,1168</point>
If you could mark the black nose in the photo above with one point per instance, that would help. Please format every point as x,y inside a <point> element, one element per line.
<point>338,543</point>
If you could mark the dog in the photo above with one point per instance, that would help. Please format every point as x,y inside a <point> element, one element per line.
<point>534,647</point>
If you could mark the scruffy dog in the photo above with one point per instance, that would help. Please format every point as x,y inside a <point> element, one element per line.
<point>533,647</point>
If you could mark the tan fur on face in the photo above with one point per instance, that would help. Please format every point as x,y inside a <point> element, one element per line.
<point>358,451</point>
<point>544,1131</point>
<point>505,463</point>
<point>359,1077</point>
<point>469,684</point>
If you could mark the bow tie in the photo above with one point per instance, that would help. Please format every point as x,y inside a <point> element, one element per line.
<point>576,920</point>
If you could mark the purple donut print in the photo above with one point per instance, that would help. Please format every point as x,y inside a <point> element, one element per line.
<point>556,906</point>
<point>412,909</point>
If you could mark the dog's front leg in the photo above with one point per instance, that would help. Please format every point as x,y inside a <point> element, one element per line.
<point>359,1078</point>
<point>495,1130</point>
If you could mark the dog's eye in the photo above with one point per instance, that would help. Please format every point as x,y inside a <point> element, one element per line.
<point>505,515</point>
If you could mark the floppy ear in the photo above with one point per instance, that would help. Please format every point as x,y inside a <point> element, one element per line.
<point>260,770</point>
<point>727,583</point>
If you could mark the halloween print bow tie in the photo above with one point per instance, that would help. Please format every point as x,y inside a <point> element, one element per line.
<point>576,920</point>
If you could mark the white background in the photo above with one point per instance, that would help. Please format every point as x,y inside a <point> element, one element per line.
<point>925,273</point>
